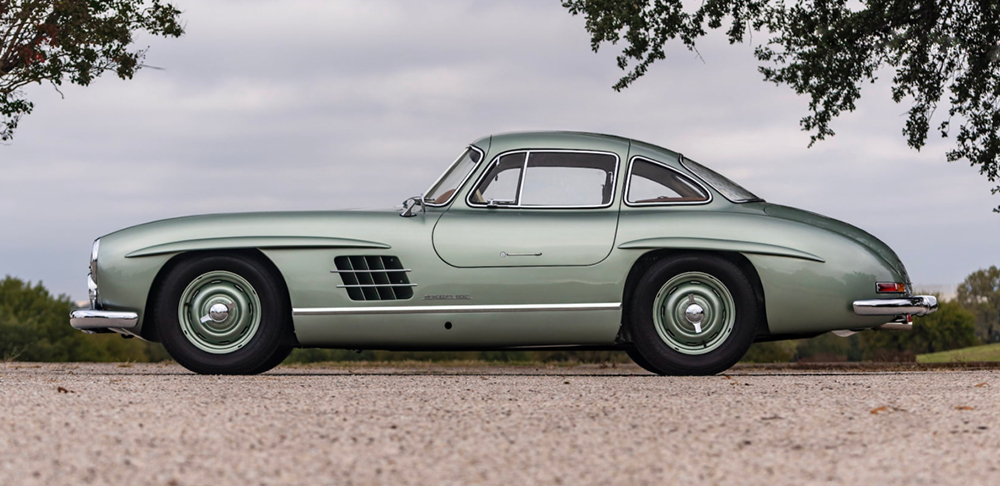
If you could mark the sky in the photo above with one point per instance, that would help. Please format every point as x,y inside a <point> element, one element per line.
<point>316,105</point>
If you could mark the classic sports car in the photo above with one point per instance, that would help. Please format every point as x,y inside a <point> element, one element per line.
<point>529,240</point>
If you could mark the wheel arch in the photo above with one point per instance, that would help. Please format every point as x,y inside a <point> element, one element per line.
<point>643,263</point>
<point>149,328</point>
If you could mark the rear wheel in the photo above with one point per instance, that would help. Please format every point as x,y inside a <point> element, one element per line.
<point>693,315</point>
<point>223,314</point>
<point>639,360</point>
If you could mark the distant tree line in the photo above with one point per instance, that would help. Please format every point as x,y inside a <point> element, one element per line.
<point>951,327</point>
<point>34,326</point>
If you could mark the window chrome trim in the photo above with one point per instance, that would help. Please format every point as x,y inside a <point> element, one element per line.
<point>453,309</point>
<point>482,155</point>
<point>684,163</point>
<point>524,172</point>
<point>696,181</point>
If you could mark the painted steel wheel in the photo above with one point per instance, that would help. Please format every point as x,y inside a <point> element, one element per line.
<point>694,314</point>
<point>224,314</point>
<point>219,312</point>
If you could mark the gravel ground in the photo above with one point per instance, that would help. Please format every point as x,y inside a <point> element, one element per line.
<point>158,424</point>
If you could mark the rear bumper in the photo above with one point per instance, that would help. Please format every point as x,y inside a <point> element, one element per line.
<point>918,305</point>
<point>94,321</point>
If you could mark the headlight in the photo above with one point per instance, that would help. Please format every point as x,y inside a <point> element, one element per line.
<point>92,291</point>
<point>93,258</point>
<point>92,276</point>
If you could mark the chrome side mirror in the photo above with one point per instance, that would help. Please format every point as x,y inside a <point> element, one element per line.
<point>410,206</point>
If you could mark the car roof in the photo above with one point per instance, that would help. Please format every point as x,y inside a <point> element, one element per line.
<point>562,139</point>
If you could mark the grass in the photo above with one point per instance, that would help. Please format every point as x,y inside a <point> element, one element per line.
<point>986,352</point>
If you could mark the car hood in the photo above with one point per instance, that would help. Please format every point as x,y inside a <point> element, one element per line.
<point>841,228</point>
<point>351,228</point>
<point>253,219</point>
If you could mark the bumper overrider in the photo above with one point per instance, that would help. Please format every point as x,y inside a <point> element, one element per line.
<point>901,310</point>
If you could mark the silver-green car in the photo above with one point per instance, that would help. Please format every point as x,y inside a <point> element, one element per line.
<point>528,241</point>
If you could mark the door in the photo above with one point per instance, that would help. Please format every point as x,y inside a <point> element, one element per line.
<point>534,208</point>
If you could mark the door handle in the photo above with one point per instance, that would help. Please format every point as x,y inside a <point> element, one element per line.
<point>504,254</point>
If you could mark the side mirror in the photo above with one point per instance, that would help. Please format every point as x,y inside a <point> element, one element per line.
<point>410,206</point>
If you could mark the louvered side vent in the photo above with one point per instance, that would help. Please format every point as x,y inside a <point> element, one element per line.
<point>374,277</point>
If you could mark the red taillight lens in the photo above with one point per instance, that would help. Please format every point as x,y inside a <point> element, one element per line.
<point>884,287</point>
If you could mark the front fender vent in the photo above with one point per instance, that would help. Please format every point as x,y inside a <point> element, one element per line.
<point>374,277</point>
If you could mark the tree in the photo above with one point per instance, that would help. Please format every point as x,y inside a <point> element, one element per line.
<point>827,49</point>
<point>71,40</point>
<point>980,293</point>
<point>34,326</point>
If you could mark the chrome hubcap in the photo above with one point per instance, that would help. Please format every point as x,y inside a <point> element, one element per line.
<point>218,312</point>
<point>694,314</point>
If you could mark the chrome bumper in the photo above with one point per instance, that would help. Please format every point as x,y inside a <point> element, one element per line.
<point>918,305</point>
<point>93,321</point>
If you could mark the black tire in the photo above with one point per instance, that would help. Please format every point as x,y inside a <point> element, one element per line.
<point>263,349</point>
<point>639,360</point>
<point>664,355</point>
<point>275,360</point>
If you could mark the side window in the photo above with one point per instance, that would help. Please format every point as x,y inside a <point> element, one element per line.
<point>548,179</point>
<point>651,183</point>
<point>502,183</point>
<point>568,179</point>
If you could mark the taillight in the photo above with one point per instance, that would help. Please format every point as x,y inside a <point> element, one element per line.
<point>889,287</point>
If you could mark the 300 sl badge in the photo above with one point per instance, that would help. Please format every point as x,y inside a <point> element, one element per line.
<point>447,297</point>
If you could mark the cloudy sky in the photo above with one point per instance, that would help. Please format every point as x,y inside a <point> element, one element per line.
<point>316,104</point>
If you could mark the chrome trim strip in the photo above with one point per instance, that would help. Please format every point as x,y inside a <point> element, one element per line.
<point>628,183</point>
<point>90,319</point>
<point>524,172</point>
<point>452,309</point>
<point>377,270</point>
<point>917,305</point>
<point>358,286</point>
<point>482,156</point>
<point>520,183</point>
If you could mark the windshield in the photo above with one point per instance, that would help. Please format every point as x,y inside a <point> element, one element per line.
<point>442,191</point>
<point>731,190</point>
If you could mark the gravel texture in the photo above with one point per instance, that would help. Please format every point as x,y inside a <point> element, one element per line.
<point>158,424</point>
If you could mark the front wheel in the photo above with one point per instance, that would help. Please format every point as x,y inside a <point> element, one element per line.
<point>223,314</point>
<point>693,315</point>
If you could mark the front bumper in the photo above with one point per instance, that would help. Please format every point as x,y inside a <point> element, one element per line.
<point>918,305</point>
<point>93,321</point>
